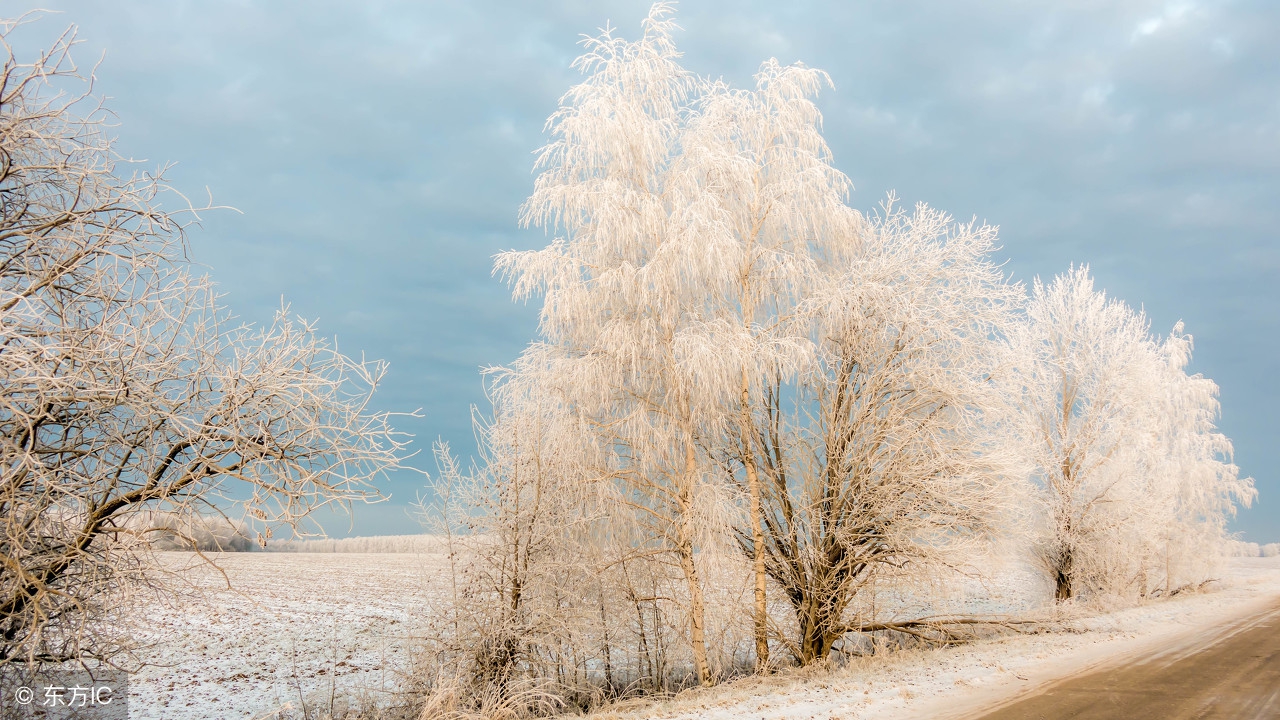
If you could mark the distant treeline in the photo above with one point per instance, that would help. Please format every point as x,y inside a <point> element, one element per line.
<point>1252,549</point>
<point>212,533</point>
<point>203,533</point>
<point>378,544</point>
<point>219,534</point>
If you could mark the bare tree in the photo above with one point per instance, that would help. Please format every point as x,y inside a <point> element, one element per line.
<point>126,389</point>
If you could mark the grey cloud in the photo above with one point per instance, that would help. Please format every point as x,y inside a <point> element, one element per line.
<point>379,152</point>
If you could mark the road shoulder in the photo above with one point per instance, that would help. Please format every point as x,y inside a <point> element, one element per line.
<point>1179,626</point>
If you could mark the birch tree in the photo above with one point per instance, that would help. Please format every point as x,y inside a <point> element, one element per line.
<point>756,178</point>
<point>623,287</point>
<point>704,231</point>
<point>125,388</point>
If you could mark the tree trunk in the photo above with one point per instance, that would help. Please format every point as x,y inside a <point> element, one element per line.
<point>757,534</point>
<point>815,643</point>
<point>697,611</point>
<point>819,625</point>
<point>605,648</point>
<point>1062,578</point>
<point>1062,592</point>
<point>697,615</point>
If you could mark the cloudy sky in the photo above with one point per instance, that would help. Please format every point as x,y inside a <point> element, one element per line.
<point>378,152</point>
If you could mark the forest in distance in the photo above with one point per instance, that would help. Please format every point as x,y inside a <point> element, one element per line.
<point>757,429</point>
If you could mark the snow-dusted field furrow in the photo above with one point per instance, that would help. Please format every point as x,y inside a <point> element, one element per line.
<point>293,628</point>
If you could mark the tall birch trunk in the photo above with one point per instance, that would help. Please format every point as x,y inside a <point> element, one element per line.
<point>757,533</point>
<point>697,606</point>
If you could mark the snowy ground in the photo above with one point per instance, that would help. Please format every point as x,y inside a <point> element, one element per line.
<point>957,682</point>
<point>295,627</point>
<point>300,626</point>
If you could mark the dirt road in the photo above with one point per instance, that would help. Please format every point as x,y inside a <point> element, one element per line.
<point>1232,673</point>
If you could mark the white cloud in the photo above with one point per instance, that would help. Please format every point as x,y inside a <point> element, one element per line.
<point>1148,27</point>
<point>1172,14</point>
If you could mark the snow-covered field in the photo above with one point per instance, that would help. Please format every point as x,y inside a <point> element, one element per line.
<point>292,628</point>
<point>300,626</point>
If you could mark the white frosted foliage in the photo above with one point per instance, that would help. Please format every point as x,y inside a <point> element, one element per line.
<point>1134,481</point>
<point>752,411</point>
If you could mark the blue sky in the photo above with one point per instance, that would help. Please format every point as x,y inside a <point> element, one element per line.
<point>379,150</point>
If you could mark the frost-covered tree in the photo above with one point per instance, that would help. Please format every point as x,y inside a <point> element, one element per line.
<point>881,459</point>
<point>513,525</point>
<point>754,180</point>
<point>1126,458</point>
<point>690,211</point>
<point>624,291</point>
<point>1083,363</point>
<point>705,258</point>
<point>1197,487</point>
<point>126,389</point>
<point>561,597</point>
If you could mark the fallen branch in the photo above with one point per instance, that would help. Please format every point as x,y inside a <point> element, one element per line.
<point>945,631</point>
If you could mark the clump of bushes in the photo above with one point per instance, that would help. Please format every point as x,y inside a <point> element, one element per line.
<point>202,533</point>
